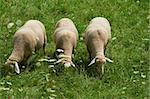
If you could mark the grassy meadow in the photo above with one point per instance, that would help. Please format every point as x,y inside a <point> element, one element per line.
<point>126,78</point>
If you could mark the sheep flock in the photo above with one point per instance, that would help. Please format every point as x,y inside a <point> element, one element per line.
<point>31,37</point>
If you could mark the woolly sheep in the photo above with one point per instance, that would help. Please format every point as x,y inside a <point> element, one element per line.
<point>97,35</point>
<point>27,40</point>
<point>65,37</point>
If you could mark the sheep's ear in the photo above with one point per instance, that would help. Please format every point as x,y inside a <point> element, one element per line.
<point>92,62</point>
<point>109,60</point>
<point>17,70</point>
<point>60,51</point>
<point>103,69</point>
<point>73,65</point>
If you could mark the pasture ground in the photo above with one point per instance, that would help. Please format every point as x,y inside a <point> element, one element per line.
<point>126,78</point>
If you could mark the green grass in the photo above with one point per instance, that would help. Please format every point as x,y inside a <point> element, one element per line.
<point>130,50</point>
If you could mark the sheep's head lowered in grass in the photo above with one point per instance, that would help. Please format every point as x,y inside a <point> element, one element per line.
<point>13,65</point>
<point>100,59</point>
<point>64,59</point>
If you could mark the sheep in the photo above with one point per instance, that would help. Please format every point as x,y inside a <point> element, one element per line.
<point>97,35</point>
<point>27,40</point>
<point>65,37</point>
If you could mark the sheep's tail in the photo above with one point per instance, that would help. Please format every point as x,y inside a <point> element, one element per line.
<point>109,60</point>
<point>92,62</point>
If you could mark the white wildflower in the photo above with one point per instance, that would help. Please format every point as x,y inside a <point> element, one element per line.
<point>137,1</point>
<point>2,83</point>
<point>9,83</point>
<point>123,92</point>
<point>46,76</point>
<point>54,86</point>
<point>114,38</point>
<point>53,95</point>
<point>134,81</point>
<point>81,38</point>
<point>143,83</point>
<point>124,88</point>
<point>53,81</point>
<point>10,25</point>
<point>20,89</point>
<point>126,0</point>
<point>3,88</point>
<point>38,64</point>
<point>50,90</point>
<point>146,39</point>
<point>143,76</point>
<point>136,72</point>
<point>51,66</point>
<point>148,17</point>
<point>18,22</point>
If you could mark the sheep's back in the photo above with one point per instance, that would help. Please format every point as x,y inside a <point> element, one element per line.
<point>38,29</point>
<point>26,36</point>
<point>66,24</point>
<point>65,39</point>
<point>101,22</point>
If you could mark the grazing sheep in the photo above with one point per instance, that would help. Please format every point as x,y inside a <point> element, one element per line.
<point>65,37</point>
<point>97,35</point>
<point>27,40</point>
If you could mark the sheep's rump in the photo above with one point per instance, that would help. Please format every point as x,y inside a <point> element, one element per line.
<point>65,40</point>
<point>99,24</point>
<point>38,28</point>
<point>66,24</point>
